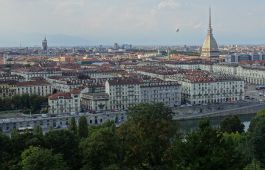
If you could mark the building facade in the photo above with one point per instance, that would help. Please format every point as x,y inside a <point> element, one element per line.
<point>7,88</point>
<point>41,88</point>
<point>96,102</point>
<point>123,93</point>
<point>203,87</point>
<point>64,102</point>
<point>166,92</point>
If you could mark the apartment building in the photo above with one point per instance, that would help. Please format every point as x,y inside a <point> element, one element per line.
<point>123,92</point>
<point>157,91</point>
<point>96,102</point>
<point>29,73</point>
<point>64,102</point>
<point>202,87</point>
<point>41,88</point>
<point>7,88</point>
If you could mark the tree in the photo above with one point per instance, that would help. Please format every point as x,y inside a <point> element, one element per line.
<point>66,143</point>
<point>36,158</point>
<point>205,149</point>
<point>83,127</point>
<point>26,102</point>
<point>72,126</point>
<point>146,136</point>
<point>232,124</point>
<point>5,151</point>
<point>255,121</point>
<point>257,138</point>
<point>254,165</point>
<point>101,149</point>
<point>37,131</point>
<point>21,142</point>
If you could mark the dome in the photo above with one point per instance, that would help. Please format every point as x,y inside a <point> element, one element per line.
<point>210,47</point>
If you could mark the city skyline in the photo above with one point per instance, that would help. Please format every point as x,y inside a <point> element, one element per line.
<point>87,23</point>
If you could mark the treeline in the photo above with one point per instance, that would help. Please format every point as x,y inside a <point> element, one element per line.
<point>25,102</point>
<point>149,140</point>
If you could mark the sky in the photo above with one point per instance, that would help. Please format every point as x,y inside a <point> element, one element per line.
<point>137,22</point>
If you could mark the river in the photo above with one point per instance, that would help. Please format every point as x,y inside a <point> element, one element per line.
<point>189,125</point>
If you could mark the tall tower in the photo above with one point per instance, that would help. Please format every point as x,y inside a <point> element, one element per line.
<point>210,47</point>
<point>44,44</point>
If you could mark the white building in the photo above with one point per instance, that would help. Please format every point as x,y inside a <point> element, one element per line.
<point>47,122</point>
<point>33,72</point>
<point>224,69</point>
<point>165,92</point>
<point>252,75</point>
<point>97,102</point>
<point>68,102</point>
<point>127,92</point>
<point>41,88</point>
<point>201,87</point>
<point>123,93</point>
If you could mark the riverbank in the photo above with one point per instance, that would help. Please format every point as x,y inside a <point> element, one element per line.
<point>245,110</point>
<point>191,124</point>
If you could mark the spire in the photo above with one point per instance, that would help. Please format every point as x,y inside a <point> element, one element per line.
<point>210,30</point>
<point>210,47</point>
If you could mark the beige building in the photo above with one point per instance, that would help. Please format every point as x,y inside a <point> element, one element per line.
<point>7,88</point>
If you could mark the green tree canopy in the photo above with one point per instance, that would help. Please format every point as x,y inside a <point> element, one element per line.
<point>5,150</point>
<point>73,126</point>
<point>232,124</point>
<point>83,127</point>
<point>42,159</point>
<point>66,143</point>
<point>146,136</point>
<point>257,138</point>
<point>205,149</point>
<point>37,131</point>
<point>101,150</point>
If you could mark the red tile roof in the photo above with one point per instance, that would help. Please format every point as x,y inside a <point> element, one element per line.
<point>60,94</point>
<point>33,83</point>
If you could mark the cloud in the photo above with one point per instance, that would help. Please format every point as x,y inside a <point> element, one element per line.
<point>172,4</point>
<point>137,21</point>
<point>198,26</point>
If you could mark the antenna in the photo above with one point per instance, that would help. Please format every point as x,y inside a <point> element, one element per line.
<point>210,30</point>
<point>210,17</point>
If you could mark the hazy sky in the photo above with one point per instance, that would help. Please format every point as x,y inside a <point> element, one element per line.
<point>142,22</point>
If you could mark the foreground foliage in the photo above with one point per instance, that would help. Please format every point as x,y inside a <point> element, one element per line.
<point>149,140</point>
